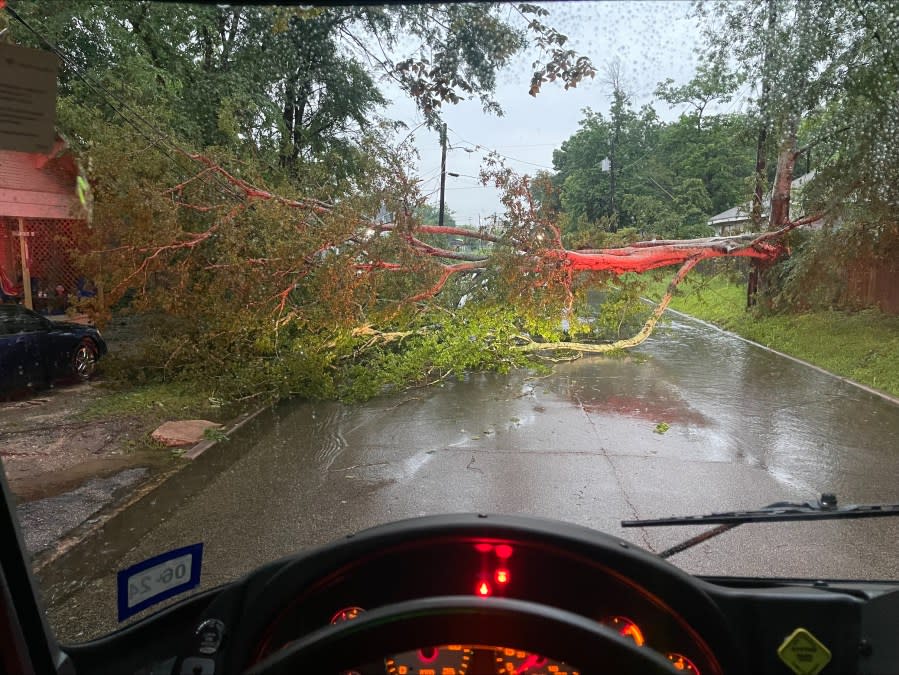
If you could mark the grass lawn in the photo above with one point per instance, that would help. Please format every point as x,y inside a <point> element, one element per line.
<point>863,346</point>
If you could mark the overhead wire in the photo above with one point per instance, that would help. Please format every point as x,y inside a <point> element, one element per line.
<point>529,145</point>
<point>542,166</point>
<point>478,146</point>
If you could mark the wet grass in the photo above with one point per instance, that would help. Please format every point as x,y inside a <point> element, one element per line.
<point>863,346</point>
<point>142,408</point>
<point>158,400</point>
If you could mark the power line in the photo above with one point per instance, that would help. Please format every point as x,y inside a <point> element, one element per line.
<point>431,175</point>
<point>478,146</point>
<point>530,145</point>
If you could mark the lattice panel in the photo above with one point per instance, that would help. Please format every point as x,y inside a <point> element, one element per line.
<point>51,249</point>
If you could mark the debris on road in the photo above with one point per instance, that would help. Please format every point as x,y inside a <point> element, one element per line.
<point>183,432</point>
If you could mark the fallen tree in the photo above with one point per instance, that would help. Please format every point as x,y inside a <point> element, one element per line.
<point>318,281</point>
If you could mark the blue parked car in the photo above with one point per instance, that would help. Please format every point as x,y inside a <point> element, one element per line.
<point>36,351</point>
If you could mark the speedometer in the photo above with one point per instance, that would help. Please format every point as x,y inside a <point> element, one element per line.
<point>626,627</point>
<point>514,661</point>
<point>681,662</point>
<point>445,660</point>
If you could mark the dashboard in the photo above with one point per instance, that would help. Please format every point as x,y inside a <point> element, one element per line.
<point>489,568</point>
<point>497,595</point>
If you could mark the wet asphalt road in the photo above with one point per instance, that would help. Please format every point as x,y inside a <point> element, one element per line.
<point>747,428</point>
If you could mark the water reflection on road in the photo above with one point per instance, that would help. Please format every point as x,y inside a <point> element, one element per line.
<point>746,428</point>
<point>803,427</point>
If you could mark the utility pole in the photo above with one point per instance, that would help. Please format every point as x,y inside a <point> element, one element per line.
<point>442,172</point>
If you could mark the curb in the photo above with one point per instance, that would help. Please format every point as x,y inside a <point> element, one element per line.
<point>864,387</point>
<point>204,445</point>
<point>83,531</point>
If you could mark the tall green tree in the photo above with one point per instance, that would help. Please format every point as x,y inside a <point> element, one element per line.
<point>290,84</point>
<point>824,80</point>
<point>802,59</point>
<point>668,180</point>
<point>598,165</point>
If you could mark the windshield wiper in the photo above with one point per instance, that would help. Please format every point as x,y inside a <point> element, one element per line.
<point>824,508</point>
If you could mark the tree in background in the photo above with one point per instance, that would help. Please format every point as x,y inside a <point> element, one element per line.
<point>661,180</point>
<point>429,214</point>
<point>289,84</point>
<point>261,247</point>
<point>824,80</point>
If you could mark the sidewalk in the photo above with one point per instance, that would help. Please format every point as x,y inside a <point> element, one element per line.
<point>48,447</point>
<point>71,450</point>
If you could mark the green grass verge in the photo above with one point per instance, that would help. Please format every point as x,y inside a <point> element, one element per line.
<point>863,346</point>
<point>158,400</point>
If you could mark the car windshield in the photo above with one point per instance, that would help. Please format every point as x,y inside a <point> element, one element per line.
<point>272,274</point>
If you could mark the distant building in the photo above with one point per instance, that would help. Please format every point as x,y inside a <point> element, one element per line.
<point>735,220</point>
<point>738,219</point>
<point>383,216</point>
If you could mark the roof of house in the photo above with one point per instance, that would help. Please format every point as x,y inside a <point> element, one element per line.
<point>34,185</point>
<point>741,213</point>
<point>736,214</point>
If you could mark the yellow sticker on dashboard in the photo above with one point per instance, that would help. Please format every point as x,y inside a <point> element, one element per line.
<point>803,653</point>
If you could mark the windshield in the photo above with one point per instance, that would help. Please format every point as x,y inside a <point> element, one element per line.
<point>272,275</point>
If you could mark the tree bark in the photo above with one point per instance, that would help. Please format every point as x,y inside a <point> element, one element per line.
<point>780,197</point>
<point>627,343</point>
<point>761,159</point>
<point>289,117</point>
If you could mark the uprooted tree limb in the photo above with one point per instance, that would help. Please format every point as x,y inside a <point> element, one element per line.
<point>532,346</point>
<point>530,242</point>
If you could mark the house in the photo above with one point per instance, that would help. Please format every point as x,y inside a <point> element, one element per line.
<point>737,219</point>
<point>39,197</point>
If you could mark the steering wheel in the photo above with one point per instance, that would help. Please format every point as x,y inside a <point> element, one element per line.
<point>438,612</point>
<point>406,626</point>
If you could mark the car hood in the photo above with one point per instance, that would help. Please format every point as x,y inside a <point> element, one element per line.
<point>71,325</point>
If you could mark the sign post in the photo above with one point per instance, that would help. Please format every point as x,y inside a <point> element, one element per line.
<point>26,271</point>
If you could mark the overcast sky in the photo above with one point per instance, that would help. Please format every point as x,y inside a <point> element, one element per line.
<point>653,40</point>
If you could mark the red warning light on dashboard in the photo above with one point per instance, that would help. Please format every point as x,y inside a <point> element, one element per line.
<point>484,589</point>
<point>502,576</point>
<point>503,551</point>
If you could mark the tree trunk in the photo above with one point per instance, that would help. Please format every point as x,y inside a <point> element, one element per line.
<point>613,227</point>
<point>289,117</point>
<point>761,159</point>
<point>780,207</point>
<point>207,49</point>
<point>780,197</point>
<point>758,199</point>
<point>761,167</point>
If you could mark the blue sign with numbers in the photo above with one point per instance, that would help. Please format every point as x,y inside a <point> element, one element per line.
<point>158,578</point>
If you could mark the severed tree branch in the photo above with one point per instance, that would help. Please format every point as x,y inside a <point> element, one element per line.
<point>627,343</point>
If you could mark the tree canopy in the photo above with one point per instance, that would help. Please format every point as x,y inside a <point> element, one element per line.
<point>822,80</point>
<point>631,170</point>
<point>240,163</point>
